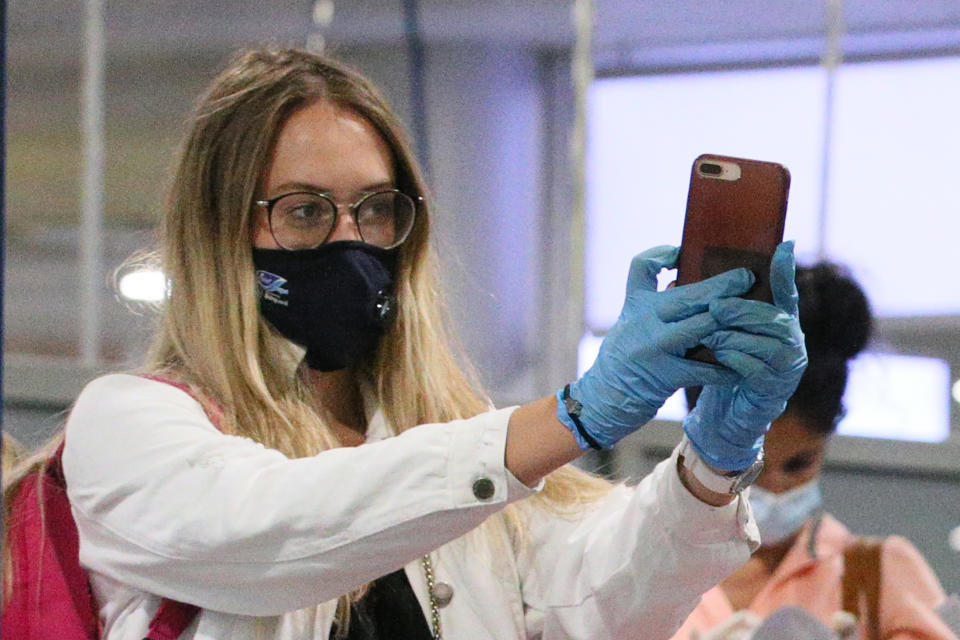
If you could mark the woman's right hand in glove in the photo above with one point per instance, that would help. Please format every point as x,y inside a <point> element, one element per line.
<point>641,362</point>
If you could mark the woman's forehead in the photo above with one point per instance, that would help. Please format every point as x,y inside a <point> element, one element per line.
<point>789,435</point>
<point>330,147</point>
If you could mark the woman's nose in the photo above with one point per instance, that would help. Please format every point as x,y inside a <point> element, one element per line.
<point>345,227</point>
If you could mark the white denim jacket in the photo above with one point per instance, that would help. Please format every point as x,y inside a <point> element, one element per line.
<point>167,506</point>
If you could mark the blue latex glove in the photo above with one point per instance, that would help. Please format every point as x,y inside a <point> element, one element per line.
<point>763,343</point>
<point>641,361</point>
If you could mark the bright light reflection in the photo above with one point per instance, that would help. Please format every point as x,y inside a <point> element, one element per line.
<point>956,390</point>
<point>955,539</point>
<point>143,286</point>
<point>898,397</point>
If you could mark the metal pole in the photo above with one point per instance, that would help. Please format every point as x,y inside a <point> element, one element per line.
<point>3,173</point>
<point>582,71</point>
<point>417,65</point>
<point>832,57</point>
<point>91,247</point>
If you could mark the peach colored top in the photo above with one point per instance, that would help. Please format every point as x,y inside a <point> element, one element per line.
<point>810,576</point>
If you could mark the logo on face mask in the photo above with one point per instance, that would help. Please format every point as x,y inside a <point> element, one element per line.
<point>272,287</point>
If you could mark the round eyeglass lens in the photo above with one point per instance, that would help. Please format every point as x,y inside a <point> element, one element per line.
<point>302,220</point>
<point>385,218</point>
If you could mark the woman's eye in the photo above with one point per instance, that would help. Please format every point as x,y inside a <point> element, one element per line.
<point>303,210</point>
<point>798,464</point>
<point>306,213</point>
<point>376,212</point>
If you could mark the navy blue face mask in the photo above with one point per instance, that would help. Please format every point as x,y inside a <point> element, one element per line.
<point>335,300</point>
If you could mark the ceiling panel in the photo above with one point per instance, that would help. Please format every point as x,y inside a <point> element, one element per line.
<point>178,25</point>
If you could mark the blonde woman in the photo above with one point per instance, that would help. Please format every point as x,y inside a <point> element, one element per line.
<point>332,472</point>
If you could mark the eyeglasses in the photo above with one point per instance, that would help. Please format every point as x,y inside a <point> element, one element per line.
<point>304,219</point>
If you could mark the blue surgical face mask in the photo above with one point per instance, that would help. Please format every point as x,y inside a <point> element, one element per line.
<point>780,515</point>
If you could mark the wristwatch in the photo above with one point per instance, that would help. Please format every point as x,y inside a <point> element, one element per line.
<point>731,482</point>
<point>573,409</point>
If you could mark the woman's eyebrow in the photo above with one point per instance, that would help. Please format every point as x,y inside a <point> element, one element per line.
<point>296,185</point>
<point>379,186</point>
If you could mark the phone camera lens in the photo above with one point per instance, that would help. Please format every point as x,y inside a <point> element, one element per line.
<point>710,168</point>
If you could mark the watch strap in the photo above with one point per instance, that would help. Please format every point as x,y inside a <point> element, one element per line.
<point>713,479</point>
<point>572,407</point>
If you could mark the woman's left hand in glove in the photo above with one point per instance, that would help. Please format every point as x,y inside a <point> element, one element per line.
<point>763,343</point>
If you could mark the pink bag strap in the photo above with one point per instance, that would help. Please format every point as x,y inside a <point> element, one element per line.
<point>50,596</point>
<point>862,571</point>
<point>211,408</point>
<point>172,618</point>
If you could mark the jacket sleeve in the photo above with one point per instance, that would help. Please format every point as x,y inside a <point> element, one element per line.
<point>634,566</point>
<point>167,504</point>
<point>909,595</point>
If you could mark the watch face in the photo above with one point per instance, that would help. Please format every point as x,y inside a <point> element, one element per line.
<point>749,476</point>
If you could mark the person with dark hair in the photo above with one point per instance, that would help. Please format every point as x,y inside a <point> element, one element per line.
<point>800,562</point>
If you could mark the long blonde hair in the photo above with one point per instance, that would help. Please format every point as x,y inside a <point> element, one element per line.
<point>211,334</point>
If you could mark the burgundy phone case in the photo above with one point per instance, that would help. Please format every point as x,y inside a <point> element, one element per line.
<point>733,223</point>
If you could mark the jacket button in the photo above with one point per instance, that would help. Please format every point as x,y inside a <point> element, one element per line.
<point>443,593</point>
<point>483,488</point>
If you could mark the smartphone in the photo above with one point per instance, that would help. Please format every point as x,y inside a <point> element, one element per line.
<point>736,210</point>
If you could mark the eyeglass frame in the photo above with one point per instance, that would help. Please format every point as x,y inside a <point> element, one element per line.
<point>352,208</point>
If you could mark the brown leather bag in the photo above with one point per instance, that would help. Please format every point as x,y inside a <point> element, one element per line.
<point>861,583</point>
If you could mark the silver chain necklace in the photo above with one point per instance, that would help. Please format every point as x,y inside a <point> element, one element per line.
<point>434,602</point>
